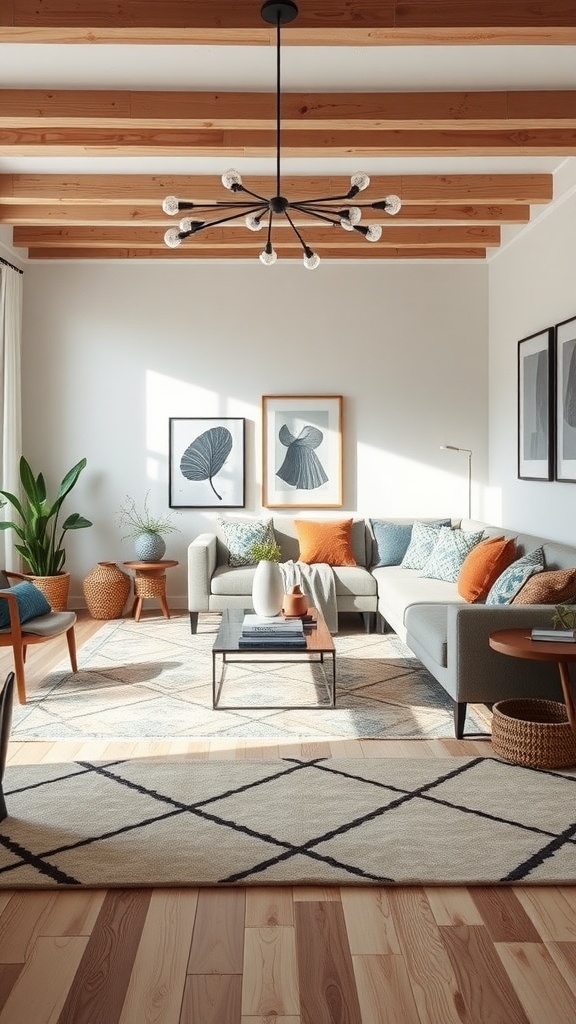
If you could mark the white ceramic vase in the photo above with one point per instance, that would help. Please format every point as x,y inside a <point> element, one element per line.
<point>267,589</point>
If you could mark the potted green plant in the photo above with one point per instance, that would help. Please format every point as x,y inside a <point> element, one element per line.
<point>41,538</point>
<point>146,530</point>
<point>265,551</point>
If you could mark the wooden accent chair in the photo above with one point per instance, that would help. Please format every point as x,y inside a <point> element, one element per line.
<point>20,635</point>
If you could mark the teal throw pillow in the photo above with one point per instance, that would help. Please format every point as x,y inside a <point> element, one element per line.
<point>514,577</point>
<point>391,541</point>
<point>31,603</point>
<point>449,552</point>
<point>241,534</point>
<point>422,541</point>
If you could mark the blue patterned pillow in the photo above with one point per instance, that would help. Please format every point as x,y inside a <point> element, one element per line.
<point>31,603</point>
<point>449,552</point>
<point>514,577</point>
<point>391,541</point>
<point>423,539</point>
<point>241,534</point>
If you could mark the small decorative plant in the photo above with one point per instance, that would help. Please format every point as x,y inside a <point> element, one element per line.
<point>564,616</point>
<point>266,551</point>
<point>137,522</point>
<point>41,539</point>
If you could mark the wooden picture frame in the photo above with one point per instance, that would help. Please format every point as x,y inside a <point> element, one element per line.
<point>207,462</point>
<point>565,400</point>
<point>536,406</point>
<point>302,451</point>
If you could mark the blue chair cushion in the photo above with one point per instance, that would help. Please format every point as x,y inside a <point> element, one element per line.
<point>31,603</point>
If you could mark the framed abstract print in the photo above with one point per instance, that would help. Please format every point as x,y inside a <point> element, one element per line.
<point>302,451</point>
<point>207,462</point>
<point>536,406</point>
<point>565,359</point>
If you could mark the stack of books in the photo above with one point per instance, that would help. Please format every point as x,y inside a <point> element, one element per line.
<point>260,631</point>
<point>554,635</point>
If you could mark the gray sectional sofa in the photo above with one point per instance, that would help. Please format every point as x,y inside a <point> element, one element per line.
<point>447,634</point>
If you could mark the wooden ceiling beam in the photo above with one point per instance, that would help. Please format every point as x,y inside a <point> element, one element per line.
<point>239,111</point>
<point>214,142</point>
<point>125,253</point>
<point>320,22</point>
<point>26,215</point>
<point>230,238</point>
<point>150,190</point>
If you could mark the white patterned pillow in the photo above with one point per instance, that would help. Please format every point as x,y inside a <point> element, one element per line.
<point>514,577</point>
<point>423,539</point>
<point>241,534</point>
<point>449,552</point>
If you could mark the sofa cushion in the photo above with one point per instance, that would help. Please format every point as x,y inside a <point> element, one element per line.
<point>483,565</point>
<point>551,587</point>
<point>354,580</point>
<point>241,534</point>
<point>450,550</point>
<point>391,541</point>
<point>428,624</point>
<point>328,541</point>
<point>515,576</point>
<point>422,540</point>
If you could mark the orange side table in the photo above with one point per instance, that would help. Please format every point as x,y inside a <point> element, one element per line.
<point>150,581</point>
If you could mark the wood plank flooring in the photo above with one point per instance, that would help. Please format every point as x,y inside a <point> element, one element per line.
<point>280,955</point>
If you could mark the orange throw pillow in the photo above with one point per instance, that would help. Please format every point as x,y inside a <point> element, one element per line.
<point>327,541</point>
<point>553,587</point>
<point>483,565</point>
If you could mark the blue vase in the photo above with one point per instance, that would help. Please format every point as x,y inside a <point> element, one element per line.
<point>149,547</point>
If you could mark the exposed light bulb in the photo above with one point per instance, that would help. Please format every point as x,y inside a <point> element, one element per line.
<point>230,179</point>
<point>393,205</point>
<point>310,259</point>
<point>172,238</point>
<point>360,181</point>
<point>374,232</point>
<point>268,256</point>
<point>354,214</point>
<point>253,222</point>
<point>346,224</point>
<point>170,205</point>
<point>186,224</point>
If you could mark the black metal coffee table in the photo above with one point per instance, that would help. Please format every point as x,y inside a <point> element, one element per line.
<point>319,643</point>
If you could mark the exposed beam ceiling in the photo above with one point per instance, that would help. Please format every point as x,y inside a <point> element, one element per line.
<point>60,212</point>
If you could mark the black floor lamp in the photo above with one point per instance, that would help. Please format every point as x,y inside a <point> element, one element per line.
<point>468,452</point>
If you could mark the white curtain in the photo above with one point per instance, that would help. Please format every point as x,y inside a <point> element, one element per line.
<point>11,292</point>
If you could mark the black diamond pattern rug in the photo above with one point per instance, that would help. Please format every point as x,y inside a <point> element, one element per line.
<point>325,821</point>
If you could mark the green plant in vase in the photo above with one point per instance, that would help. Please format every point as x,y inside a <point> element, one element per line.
<point>266,551</point>
<point>145,529</point>
<point>564,616</point>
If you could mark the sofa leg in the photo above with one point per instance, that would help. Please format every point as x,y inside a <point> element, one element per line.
<point>193,622</point>
<point>459,719</point>
<point>369,621</point>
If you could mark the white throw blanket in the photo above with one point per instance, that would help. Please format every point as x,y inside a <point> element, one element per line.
<point>318,584</point>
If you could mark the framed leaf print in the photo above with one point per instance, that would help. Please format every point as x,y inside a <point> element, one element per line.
<point>302,451</point>
<point>565,346</point>
<point>536,406</point>
<point>206,462</point>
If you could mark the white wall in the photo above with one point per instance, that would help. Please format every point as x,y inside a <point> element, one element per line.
<point>112,351</point>
<point>531,287</point>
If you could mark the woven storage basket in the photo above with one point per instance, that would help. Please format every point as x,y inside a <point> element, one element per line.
<point>106,588</point>
<point>534,733</point>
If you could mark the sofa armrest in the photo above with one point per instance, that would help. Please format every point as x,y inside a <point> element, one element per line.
<point>202,557</point>
<point>477,671</point>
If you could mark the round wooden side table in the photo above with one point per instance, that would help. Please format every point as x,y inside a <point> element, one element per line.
<point>150,581</point>
<point>519,644</point>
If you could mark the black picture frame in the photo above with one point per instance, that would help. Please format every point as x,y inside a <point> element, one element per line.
<point>207,462</point>
<point>536,406</point>
<point>565,400</point>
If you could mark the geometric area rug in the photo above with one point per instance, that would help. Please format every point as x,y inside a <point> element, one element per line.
<point>154,822</point>
<point>153,679</point>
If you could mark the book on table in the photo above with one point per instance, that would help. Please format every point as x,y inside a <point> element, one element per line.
<point>270,643</point>
<point>260,625</point>
<point>554,635</point>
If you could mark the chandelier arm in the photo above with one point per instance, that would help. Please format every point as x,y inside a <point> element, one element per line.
<point>327,199</point>
<point>295,230</point>
<point>232,205</point>
<point>313,213</point>
<point>262,199</point>
<point>224,220</point>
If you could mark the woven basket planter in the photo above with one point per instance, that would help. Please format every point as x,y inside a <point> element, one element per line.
<point>106,588</point>
<point>54,588</point>
<point>534,733</point>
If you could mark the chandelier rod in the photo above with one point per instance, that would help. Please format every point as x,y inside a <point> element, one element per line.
<point>278,103</point>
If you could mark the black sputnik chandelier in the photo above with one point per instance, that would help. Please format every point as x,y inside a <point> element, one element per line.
<point>259,212</point>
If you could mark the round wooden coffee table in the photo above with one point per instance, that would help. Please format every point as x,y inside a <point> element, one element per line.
<point>519,644</point>
<point>150,581</point>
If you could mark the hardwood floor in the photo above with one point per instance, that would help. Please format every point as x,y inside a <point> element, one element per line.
<point>280,955</point>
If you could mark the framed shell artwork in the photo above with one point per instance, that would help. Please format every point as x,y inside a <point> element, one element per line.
<point>302,451</point>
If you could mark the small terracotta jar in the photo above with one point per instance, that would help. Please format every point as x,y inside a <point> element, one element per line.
<point>295,602</point>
